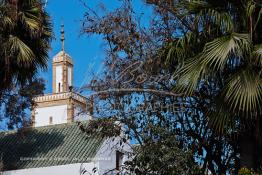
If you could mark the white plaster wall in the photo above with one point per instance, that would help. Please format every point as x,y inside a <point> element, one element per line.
<point>69,169</point>
<point>80,114</point>
<point>59,114</point>
<point>69,76</point>
<point>59,77</point>
<point>107,155</point>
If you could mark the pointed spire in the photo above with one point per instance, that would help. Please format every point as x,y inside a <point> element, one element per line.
<point>62,37</point>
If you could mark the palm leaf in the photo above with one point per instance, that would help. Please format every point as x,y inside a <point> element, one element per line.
<point>190,75</point>
<point>25,55</point>
<point>221,19</point>
<point>216,15</point>
<point>243,92</point>
<point>257,55</point>
<point>217,52</point>
<point>221,120</point>
<point>30,21</point>
<point>31,18</point>
<point>179,48</point>
<point>214,57</point>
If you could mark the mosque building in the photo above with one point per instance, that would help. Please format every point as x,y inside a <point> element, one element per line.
<point>55,144</point>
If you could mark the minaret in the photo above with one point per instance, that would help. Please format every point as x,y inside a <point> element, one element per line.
<point>62,68</point>
<point>63,105</point>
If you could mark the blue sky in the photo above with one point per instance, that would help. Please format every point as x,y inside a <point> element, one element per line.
<point>87,51</point>
<point>84,50</point>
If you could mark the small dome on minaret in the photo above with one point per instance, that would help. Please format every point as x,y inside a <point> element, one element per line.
<point>62,56</point>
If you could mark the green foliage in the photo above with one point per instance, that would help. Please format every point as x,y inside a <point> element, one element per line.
<point>107,127</point>
<point>228,53</point>
<point>25,34</point>
<point>17,102</point>
<point>246,171</point>
<point>213,49</point>
<point>227,59</point>
<point>163,156</point>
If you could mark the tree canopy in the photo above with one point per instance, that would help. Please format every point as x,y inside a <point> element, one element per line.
<point>25,35</point>
<point>199,57</point>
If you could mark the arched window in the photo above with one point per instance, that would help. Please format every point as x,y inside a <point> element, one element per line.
<point>50,120</point>
<point>119,160</point>
<point>59,87</point>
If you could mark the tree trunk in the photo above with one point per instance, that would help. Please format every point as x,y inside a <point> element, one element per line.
<point>251,146</point>
<point>247,150</point>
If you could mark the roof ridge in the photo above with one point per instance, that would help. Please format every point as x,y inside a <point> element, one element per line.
<point>42,127</point>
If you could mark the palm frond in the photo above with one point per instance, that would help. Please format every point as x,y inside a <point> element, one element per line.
<point>221,120</point>
<point>221,19</point>
<point>25,55</point>
<point>31,21</point>
<point>216,15</point>
<point>179,48</point>
<point>217,52</point>
<point>5,21</point>
<point>243,92</point>
<point>257,55</point>
<point>214,57</point>
<point>190,75</point>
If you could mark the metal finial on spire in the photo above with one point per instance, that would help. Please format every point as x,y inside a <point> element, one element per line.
<point>63,37</point>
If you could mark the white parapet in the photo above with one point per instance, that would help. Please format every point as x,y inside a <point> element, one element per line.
<point>60,96</point>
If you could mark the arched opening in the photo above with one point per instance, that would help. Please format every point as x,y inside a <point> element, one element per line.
<point>59,87</point>
<point>119,160</point>
<point>50,120</point>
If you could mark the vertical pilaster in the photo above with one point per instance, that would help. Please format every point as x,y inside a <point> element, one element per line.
<point>70,110</point>
<point>54,78</point>
<point>65,77</point>
<point>33,117</point>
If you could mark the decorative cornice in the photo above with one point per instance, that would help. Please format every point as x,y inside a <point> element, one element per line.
<point>60,96</point>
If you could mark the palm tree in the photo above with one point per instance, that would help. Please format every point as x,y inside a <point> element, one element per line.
<point>25,34</point>
<point>220,47</point>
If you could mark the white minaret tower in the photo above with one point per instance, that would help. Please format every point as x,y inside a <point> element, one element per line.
<point>63,105</point>
<point>62,69</point>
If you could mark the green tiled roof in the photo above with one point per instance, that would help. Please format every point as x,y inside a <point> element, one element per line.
<point>47,146</point>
